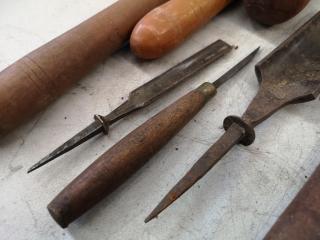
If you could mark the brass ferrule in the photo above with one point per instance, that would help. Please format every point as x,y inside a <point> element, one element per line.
<point>207,89</point>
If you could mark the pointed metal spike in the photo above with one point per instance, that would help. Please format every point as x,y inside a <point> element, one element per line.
<point>231,137</point>
<point>234,70</point>
<point>92,130</point>
<point>145,95</point>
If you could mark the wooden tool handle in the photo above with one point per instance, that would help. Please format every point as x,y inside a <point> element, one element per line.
<point>168,25</point>
<point>270,12</point>
<point>116,165</point>
<point>33,82</point>
<point>301,220</point>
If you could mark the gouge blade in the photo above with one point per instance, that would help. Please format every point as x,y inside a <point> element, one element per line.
<point>202,166</point>
<point>143,96</point>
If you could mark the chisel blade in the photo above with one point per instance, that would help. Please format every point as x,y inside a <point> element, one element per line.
<point>205,163</point>
<point>143,96</point>
<point>92,130</point>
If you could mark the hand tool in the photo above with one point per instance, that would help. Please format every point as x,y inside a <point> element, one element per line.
<point>301,220</point>
<point>270,12</point>
<point>126,157</point>
<point>33,82</point>
<point>290,74</point>
<point>143,96</point>
<point>168,25</point>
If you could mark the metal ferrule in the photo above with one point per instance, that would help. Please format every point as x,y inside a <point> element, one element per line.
<point>207,89</point>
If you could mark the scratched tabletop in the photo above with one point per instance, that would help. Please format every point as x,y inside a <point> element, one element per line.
<point>240,198</point>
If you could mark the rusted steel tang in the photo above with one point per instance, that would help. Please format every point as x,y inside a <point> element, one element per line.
<point>132,152</point>
<point>143,96</point>
<point>290,74</point>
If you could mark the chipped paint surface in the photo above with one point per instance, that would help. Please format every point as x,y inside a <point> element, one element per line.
<point>239,199</point>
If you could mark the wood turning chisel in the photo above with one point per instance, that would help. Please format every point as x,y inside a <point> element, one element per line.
<point>289,75</point>
<point>143,96</point>
<point>126,157</point>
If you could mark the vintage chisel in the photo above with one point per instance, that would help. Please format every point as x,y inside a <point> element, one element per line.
<point>126,157</point>
<point>290,74</point>
<point>143,96</point>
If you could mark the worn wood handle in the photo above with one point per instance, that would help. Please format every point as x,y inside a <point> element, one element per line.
<point>33,82</point>
<point>121,161</point>
<point>301,219</point>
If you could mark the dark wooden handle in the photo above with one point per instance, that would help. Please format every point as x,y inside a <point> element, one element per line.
<point>116,165</point>
<point>301,220</point>
<point>33,82</point>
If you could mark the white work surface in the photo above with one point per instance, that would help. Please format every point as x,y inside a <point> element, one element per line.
<point>240,198</point>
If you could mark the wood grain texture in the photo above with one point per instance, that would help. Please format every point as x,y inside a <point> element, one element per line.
<point>168,25</point>
<point>33,82</point>
<point>116,165</point>
<point>301,220</point>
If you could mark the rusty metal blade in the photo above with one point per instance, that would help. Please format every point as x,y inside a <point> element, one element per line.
<point>150,91</point>
<point>78,139</point>
<point>234,70</point>
<point>290,74</point>
<point>230,138</point>
<point>143,96</point>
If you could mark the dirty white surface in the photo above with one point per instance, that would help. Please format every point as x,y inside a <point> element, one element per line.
<point>239,199</point>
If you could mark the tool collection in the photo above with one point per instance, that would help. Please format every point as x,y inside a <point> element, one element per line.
<point>143,96</point>
<point>288,75</point>
<point>116,165</point>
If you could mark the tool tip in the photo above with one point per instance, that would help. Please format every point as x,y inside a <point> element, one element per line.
<point>149,218</point>
<point>41,163</point>
<point>161,206</point>
<point>254,52</point>
<point>34,167</point>
<point>172,196</point>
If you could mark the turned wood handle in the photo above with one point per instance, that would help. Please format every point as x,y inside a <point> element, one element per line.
<point>271,12</point>
<point>301,220</point>
<point>33,82</point>
<point>168,25</point>
<point>115,166</point>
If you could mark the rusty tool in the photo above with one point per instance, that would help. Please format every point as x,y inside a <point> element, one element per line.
<point>290,74</point>
<point>301,220</point>
<point>126,157</point>
<point>142,97</point>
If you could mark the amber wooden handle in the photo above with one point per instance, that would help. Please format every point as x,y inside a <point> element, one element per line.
<point>33,82</point>
<point>116,165</point>
<point>168,25</point>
